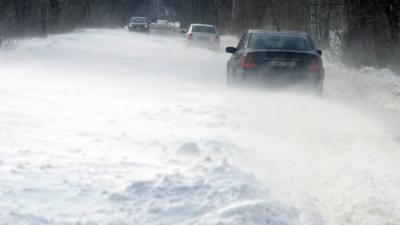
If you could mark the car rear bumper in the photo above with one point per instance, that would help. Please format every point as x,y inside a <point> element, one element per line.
<point>139,28</point>
<point>281,79</point>
<point>203,44</point>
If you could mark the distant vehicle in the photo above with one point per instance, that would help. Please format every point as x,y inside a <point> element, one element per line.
<point>278,58</point>
<point>163,25</point>
<point>204,35</point>
<point>139,24</point>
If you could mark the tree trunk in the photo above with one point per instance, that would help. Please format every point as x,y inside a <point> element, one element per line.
<point>44,18</point>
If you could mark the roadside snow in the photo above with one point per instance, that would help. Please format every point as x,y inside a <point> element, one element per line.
<point>110,127</point>
<point>205,194</point>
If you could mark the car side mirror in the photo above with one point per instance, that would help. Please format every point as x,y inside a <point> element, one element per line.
<point>231,50</point>
<point>319,52</point>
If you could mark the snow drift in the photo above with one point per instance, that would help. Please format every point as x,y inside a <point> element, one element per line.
<point>111,127</point>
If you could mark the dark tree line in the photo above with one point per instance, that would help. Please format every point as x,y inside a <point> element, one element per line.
<point>372,32</point>
<point>40,17</point>
<point>369,29</point>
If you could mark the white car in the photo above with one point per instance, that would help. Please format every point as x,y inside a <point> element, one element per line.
<point>203,35</point>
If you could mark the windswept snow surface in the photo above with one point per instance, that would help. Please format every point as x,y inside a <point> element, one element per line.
<point>110,127</point>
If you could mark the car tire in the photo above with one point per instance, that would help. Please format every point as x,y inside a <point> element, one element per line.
<point>319,89</point>
<point>229,81</point>
<point>229,78</point>
<point>234,80</point>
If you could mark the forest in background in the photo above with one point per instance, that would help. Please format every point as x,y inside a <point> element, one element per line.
<point>368,30</point>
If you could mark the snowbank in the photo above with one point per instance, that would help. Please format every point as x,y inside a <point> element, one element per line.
<point>107,127</point>
<point>207,194</point>
<point>368,87</point>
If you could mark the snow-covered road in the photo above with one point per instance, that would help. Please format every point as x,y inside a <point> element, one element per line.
<point>110,127</point>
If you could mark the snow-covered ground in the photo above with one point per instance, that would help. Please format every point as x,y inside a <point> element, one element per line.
<point>110,127</point>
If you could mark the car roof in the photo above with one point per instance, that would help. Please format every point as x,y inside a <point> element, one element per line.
<point>204,25</point>
<point>259,31</point>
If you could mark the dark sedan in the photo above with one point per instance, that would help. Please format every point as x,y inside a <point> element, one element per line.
<point>139,24</point>
<point>277,59</point>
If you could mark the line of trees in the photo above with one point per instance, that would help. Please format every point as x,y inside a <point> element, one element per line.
<point>20,18</point>
<point>369,29</point>
<point>372,32</point>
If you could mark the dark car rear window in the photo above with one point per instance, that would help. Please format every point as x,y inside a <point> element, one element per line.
<point>139,20</point>
<point>279,42</point>
<point>204,29</point>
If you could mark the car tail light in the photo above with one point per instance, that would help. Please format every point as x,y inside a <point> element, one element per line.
<point>314,66</point>
<point>247,62</point>
<point>190,36</point>
<point>217,38</point>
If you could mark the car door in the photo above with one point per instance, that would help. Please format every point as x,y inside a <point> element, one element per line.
<point>235,59</point>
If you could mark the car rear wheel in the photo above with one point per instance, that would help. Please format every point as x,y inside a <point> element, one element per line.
<point>319,89</point>
<point>230,79</point>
